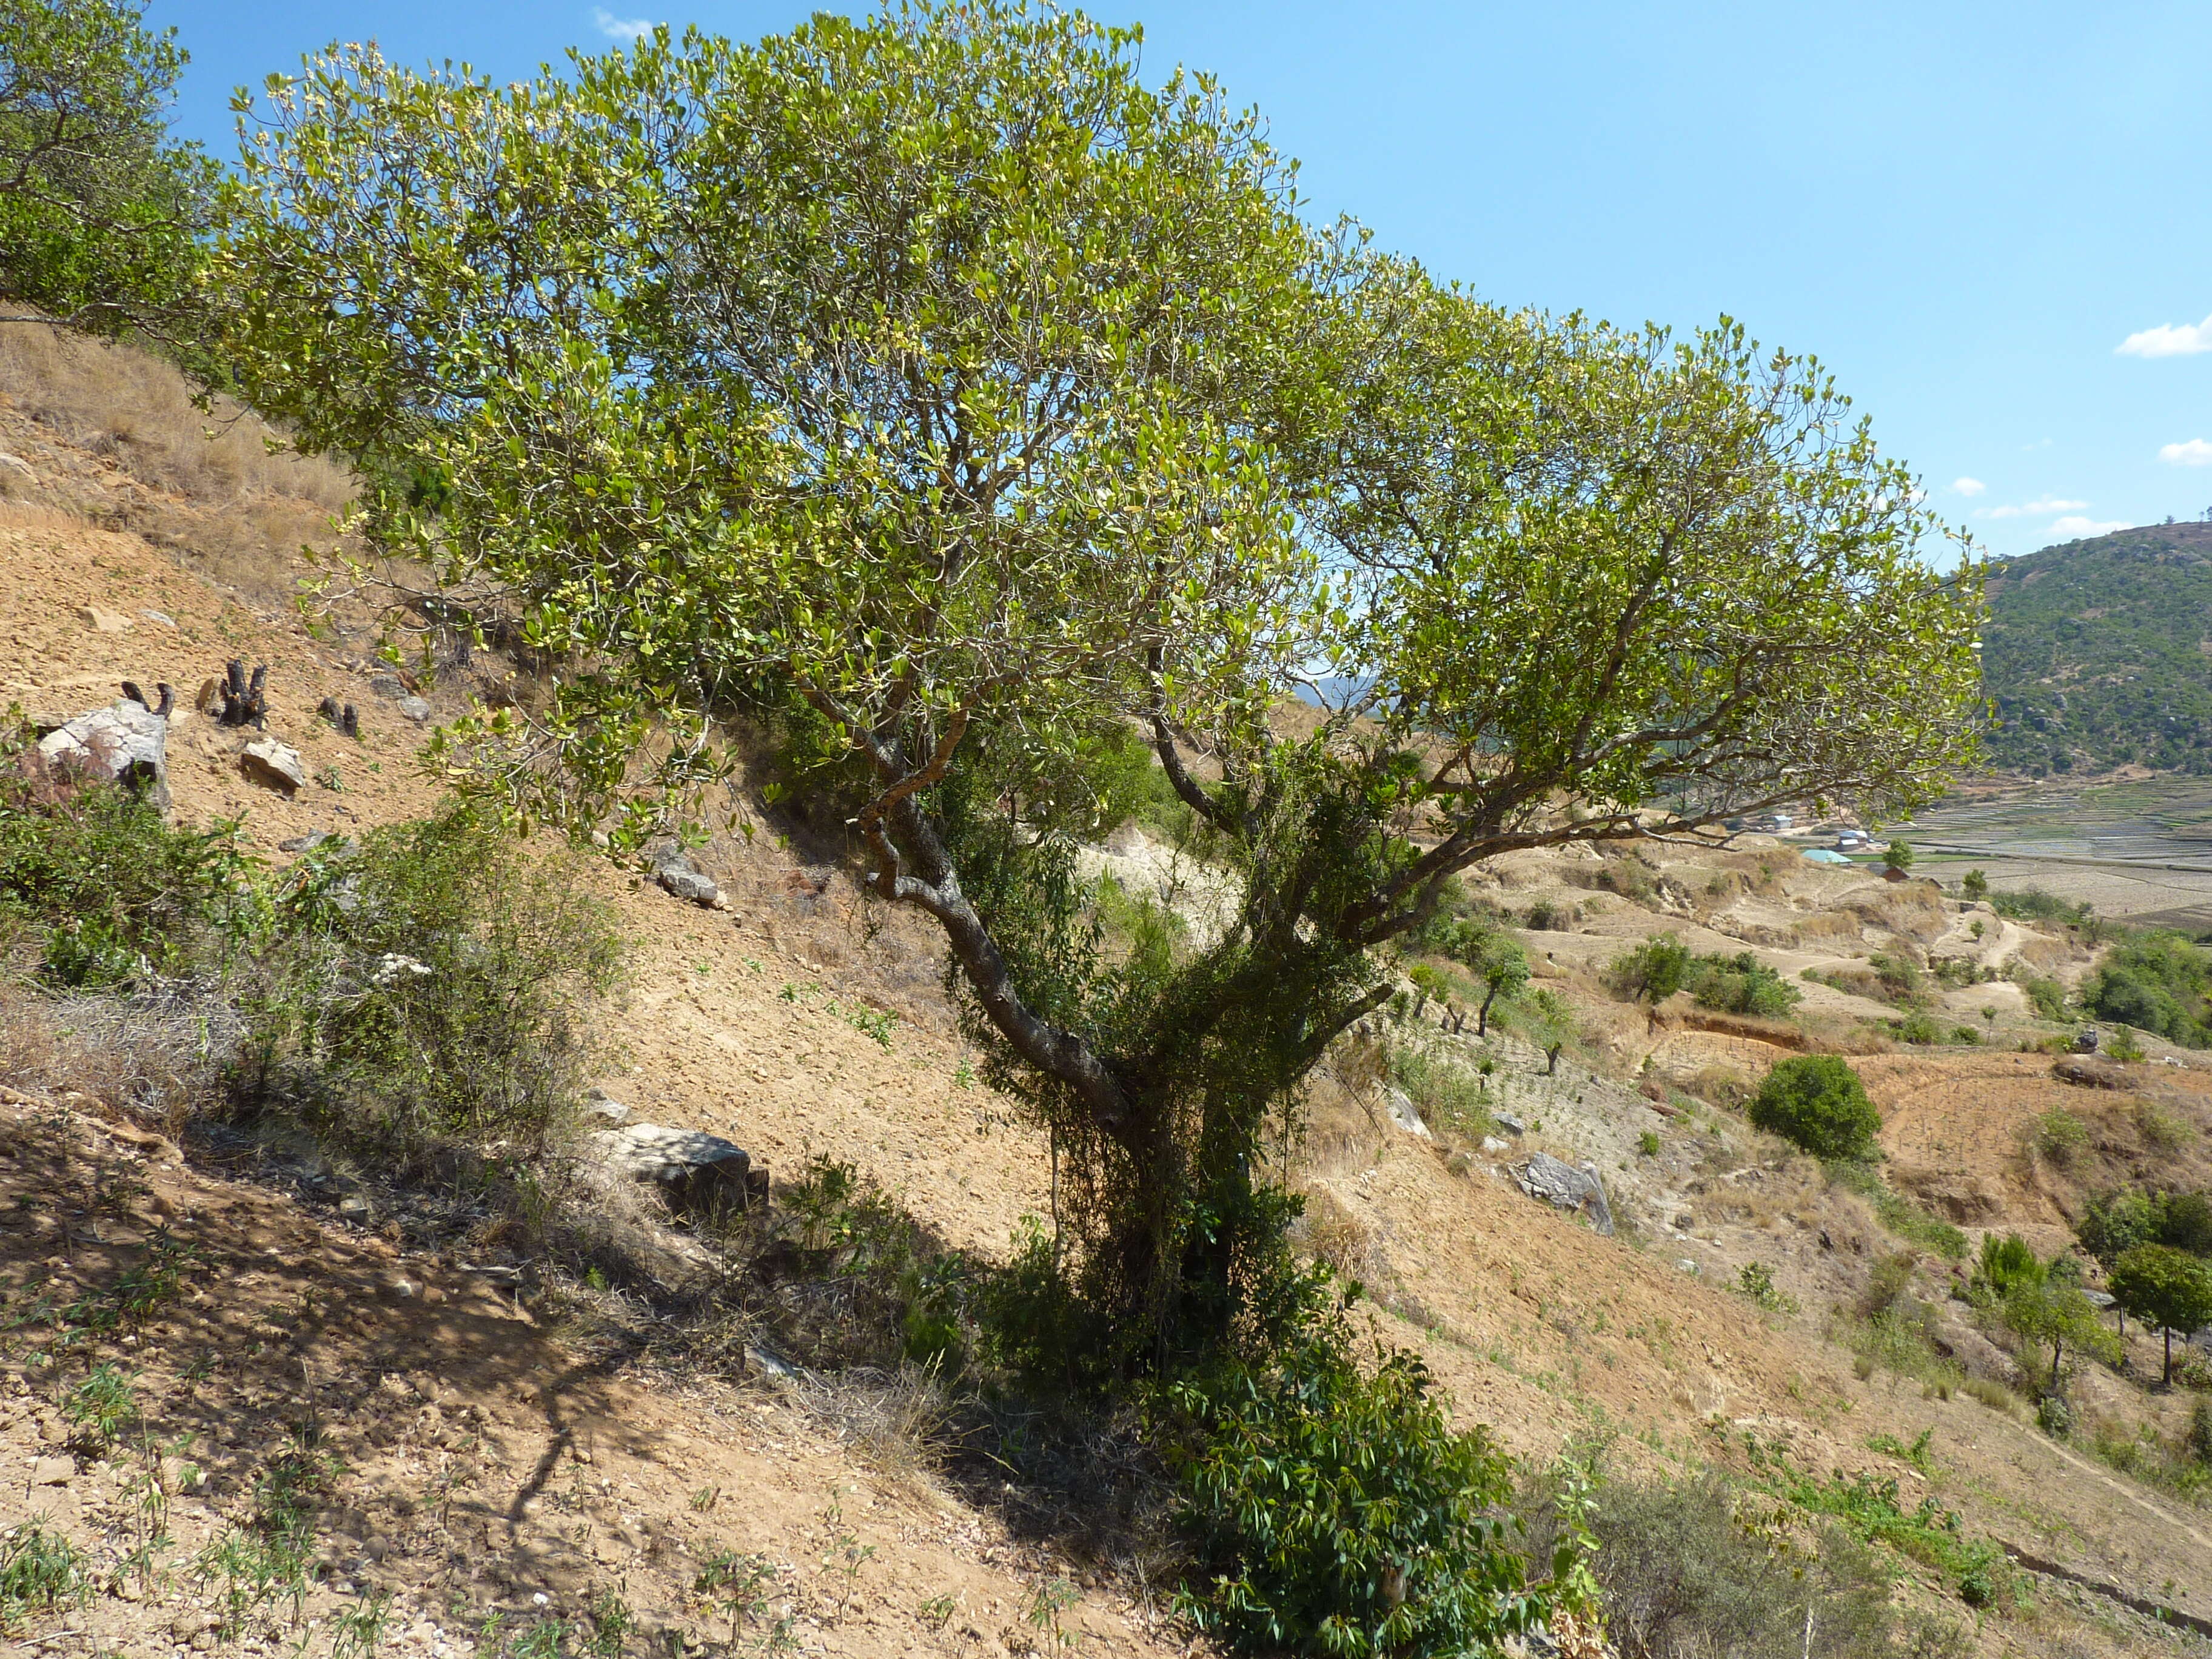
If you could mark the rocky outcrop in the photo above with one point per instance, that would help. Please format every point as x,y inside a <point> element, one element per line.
<point>126,743</point>
<point>1564,1187</point>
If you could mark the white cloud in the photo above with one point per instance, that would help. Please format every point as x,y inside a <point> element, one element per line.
<point>621,28</point>
<point>1968,486</point>
<point>2075,524</point>
<point>2195,452</point>
<point>2168,340</point>
<point>2032,509</point>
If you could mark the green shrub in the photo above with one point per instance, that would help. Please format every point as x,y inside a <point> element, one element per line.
<point>1445,1093</point>
<point>2033,904</point>
<point>2158,982</point>
<point>1654,970</point>
<point>433,989</point>
<point>2115,1222</point>
<point>1334,1511</point>
<point>1917,1027</point>
<point>111,893</point>
<point>2046,996</point>
<point>1743,984</point>
<point>1817,1102</point>
<point>39,1572</point>
<point>1692,1569</point>
<point>2060,1136</point>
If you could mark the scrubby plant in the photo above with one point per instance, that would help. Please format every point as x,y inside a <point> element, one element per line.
<point>39,1572</point>
<point>2160,982</point>
<point>108,892</point>
<point>1654,970</point>
<point>432,990</point>
<point>2060,1136</point>
<point>1331,1509</point>
<point>1742,984</point>
<point>1707,1566</point>
<point>1817,1102</point>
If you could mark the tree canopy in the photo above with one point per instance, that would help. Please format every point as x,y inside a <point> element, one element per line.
<point>99,207</point>
<point>2168,1289</point>
<point>936,383</point>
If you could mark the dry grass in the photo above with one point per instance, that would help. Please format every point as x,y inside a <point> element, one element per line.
<point>217,487</point>
<point>152,1059</point>
<point>898,1421</point>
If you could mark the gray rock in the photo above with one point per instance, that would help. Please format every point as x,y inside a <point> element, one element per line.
<point>1403,1113</point>
<point>697,1171</point>
<point>125,742</point>
<point>598,1103</point>
<point>416,709</point>
<point>1564,1187</point>
<point>1510,1124</point>
<point>309,843</point>
<point>390,687</point>
<point>673,869</point>
<point>274,765</point>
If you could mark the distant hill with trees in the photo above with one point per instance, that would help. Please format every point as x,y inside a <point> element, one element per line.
<point>2099,652</point>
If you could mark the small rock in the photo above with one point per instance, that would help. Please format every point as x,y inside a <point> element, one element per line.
<point>597,1102</point>
<point>696,1170</point>
<point>1404,1113</point>
<point>158,616</point>
<point>1686,1264</point>
<point>355,1208</point>
<point>53,1471</point>
<point>16,463</point>
<point>308,843</point>
<point>416,709</point>
<point>389,686</point>
<point>1510,1124</point>
<point>101,620</point>
<point>273,764</point>
<point>676,872</point>
<point>1493,1144</point>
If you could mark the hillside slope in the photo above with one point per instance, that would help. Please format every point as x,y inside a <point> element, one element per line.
<point>2099,653</point>
<point>513,1465</point>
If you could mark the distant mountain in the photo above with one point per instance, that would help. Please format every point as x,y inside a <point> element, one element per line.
<point>2099,652</point>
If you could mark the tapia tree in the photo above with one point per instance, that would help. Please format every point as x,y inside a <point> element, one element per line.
<point>937,382</point>
<point>100,208</point>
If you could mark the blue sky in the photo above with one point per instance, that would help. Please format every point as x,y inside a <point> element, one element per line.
<point>1989,220</point>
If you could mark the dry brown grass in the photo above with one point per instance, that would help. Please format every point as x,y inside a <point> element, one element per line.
<point>217,486</point>
<point>152,1060</point>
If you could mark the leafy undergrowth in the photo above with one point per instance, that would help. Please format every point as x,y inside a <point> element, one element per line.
<point>1870,1507</point>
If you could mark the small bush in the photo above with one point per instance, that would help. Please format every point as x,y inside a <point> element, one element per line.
<point>1334,1511</point>
<point>39,1572</point>
<point>1743,984</point>
<point>1647,1144</point>
<point>2158,982</point>
<point>2046,996</point>
<point>1704,1567</point>
<point>1446,1094</point>
<point>110,892</point>
<point>1817,1102</point>
<point>1991,1392</point>
<point>2060,1136</point>
<point>432,990</point>
<point>1755,1280</point>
